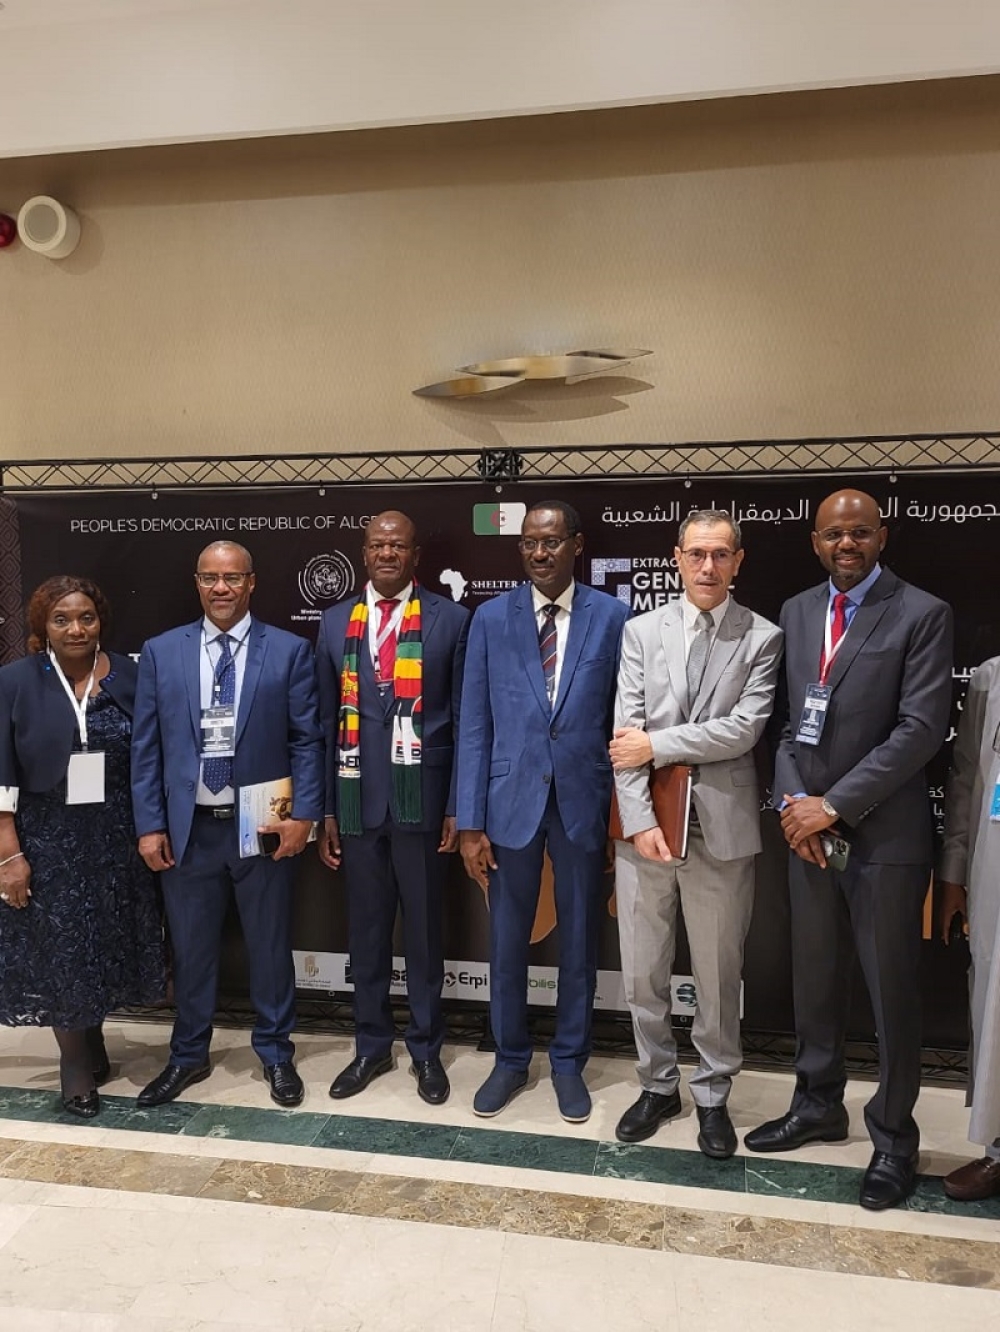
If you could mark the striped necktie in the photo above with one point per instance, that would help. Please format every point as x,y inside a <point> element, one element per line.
<point>385,641</point>
<point>547,647</point>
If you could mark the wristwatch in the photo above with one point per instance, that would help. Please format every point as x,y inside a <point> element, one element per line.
<point>829,810</point>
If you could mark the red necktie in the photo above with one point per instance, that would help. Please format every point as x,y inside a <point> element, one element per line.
<point>386,640</point>
<point>837,631</point>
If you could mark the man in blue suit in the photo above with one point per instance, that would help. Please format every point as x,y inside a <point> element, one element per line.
<point>223,703</point>
<point>534,774</point>
<point>390,675</point>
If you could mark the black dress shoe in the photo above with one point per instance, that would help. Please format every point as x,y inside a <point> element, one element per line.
<point>357,1075</point>
<point>286,1085</point>
<point>84,1107</point>
<point>716,1135</point>
<point>641,1120</point>
<point>169,1084</point>
<point>432,1081</point>
<point>888,1181</point>
<point>789,1132</point>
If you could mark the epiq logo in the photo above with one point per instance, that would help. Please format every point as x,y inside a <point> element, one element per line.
<point>326,578</point>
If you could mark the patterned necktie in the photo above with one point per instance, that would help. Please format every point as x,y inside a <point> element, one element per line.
<point>698,655</point>
<point>837,631</point>
<point>547,638</point>
<point>218,772</point>
<point>385,640</point>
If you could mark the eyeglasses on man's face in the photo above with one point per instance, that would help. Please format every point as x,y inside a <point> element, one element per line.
<point>832,536</point>
<point>528,545</point>
<point>698,556</point>
<point>230,579</point>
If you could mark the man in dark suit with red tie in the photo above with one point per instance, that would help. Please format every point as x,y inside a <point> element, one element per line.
<point>390,674</point>
<point>868,661</point>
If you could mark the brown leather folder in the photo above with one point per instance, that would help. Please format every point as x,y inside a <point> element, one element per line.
<point>670,788</point>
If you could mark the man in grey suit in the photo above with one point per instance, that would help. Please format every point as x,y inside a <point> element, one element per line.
<point>868,662</point>
<point>695,686</point>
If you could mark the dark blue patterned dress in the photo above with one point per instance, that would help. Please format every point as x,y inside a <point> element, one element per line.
<point>90,938</point>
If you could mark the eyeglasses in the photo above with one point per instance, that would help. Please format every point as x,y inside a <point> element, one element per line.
<point>230,579</point>
<point>832,536</point>
<point>697,556</point>
<point>528,545</point>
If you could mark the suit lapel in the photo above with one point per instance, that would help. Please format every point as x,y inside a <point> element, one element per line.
<point>727,640</point>
<point>815,614</point>
<point>256,650</point>
<point>672,639</point>
<point>579,627</point>
<point>524,632</point>
<point>192,676</point>
<point>864,624</point>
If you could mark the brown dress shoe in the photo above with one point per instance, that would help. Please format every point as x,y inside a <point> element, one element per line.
<point>976,1180</point>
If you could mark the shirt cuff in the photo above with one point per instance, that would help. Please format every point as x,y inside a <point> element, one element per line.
<point>8,799</point>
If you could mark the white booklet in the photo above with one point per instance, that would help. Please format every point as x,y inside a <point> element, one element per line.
<point>261,803</point>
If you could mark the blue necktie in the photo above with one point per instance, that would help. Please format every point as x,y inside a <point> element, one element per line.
<point>218,772</point>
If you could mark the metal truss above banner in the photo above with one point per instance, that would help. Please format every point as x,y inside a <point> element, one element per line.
<point>884,454</point>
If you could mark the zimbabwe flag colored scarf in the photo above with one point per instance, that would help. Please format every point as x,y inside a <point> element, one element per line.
<point>407,721</point>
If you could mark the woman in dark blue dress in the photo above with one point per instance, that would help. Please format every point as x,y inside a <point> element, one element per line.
<point>80,930</point>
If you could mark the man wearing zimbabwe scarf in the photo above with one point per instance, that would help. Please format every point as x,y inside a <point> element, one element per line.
<point>390,670</point>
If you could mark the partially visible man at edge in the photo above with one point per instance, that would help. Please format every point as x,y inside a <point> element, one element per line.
<point>969,885</point>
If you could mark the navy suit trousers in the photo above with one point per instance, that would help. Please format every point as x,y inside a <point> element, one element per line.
<point>386,868</point>
<point>196,895</point>
<point>580,891</point>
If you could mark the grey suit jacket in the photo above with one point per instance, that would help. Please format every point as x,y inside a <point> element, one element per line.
<point>887,717</point>
<point>716,734</point>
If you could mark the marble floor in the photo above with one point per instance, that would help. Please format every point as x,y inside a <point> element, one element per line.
<point>222,1212</point>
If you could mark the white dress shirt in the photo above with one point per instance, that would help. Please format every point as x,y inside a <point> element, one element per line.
<point>565,603</point>
<point>375,616</point>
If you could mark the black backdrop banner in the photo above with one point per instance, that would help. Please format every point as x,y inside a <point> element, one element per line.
<point>141,548</point>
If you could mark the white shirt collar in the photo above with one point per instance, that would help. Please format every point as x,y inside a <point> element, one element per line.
<point>564,600</point>
<point>402,596</point>
<point>691,611</point>
<point>238,631</point>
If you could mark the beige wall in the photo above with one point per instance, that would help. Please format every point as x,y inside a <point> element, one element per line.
<point>814,263</point>
<point>89,74</point>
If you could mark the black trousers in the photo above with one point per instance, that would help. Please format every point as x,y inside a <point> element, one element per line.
<point>874,913</point>
<point>386,868</point>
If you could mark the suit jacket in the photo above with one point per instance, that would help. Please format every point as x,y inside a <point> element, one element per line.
<point>887,716</point>
<point>715,733</point>
<point>444,630</point>
<point>277,727</point>
<point>513,745</point>
<point>37,724</point>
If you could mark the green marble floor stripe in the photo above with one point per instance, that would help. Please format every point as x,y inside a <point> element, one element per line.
<point>778,1177</point>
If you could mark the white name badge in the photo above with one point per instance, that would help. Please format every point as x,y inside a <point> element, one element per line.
<point>85,778</point>
<point>813,717</point>
<point>218,731</point>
